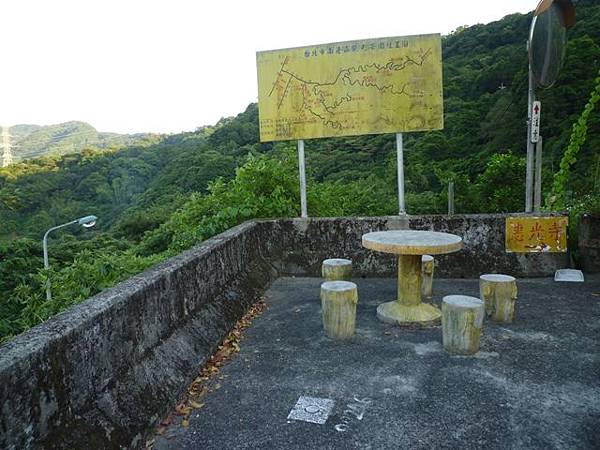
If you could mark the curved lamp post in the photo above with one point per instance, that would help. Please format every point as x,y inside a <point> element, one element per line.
<point>86,222</point>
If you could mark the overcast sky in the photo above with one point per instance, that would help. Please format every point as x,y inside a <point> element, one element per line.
<point>173,65</point>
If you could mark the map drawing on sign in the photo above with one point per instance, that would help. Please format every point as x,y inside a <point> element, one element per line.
<point>371,86</point>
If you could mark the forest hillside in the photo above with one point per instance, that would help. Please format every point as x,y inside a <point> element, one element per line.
<point>36,141</point>
<point>157,197</point>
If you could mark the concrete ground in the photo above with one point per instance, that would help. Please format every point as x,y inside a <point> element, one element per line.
<point>534,385</point>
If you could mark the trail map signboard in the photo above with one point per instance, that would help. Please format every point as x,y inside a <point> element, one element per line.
<point>386,85</point>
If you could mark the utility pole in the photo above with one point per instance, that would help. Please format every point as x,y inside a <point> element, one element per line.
<point>7,157</point>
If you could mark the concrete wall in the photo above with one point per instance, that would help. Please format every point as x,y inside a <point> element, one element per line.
<point>589,243</point>
<point>101,374</point>
<point>304,243</point>
<point>484,248</point>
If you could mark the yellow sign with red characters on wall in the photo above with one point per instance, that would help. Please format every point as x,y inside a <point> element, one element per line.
<point>536,234</point>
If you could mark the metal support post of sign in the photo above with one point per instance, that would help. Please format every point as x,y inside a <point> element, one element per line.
<point>537,199</point>
<point>302,169</point>
<point>451,198</point>
<point>400,163</point>
<point>530,147</point>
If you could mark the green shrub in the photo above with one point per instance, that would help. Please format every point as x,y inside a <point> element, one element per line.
<point>92,271</point>
<point>263,187</point>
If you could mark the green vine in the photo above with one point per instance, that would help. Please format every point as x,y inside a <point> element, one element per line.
<point>557,200</point>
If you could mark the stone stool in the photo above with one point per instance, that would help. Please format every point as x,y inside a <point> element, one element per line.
<point>337,269</point>
<point>499,292</point>
<point>427,263</point>
<point>338,305</point>
<point>462,321</point>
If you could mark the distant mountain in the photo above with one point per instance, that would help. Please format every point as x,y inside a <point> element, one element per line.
<point>34,141</point>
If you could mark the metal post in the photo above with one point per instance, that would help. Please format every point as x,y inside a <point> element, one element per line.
<point>530,147</point>
<point>451,198</point>
<point>47,264</point>
<point>45,247</point>
<point>400,163</point>
<point>596,173</point>
<point>537,200</point>
<point>301,167</point>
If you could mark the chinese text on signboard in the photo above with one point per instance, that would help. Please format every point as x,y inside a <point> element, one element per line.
<point>384,85</point>
<point>536,234</point>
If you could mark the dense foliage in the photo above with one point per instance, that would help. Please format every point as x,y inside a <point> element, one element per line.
<point>578,138</point>
<point>155,199</point>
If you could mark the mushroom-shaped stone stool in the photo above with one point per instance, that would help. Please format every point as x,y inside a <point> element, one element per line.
<point>462,321</point>
<point>427,263</point>
<point>338,305</point>
<point>499,292</point>
<point>337,269</point>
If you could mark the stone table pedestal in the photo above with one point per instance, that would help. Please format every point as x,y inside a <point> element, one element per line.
<point>410,245</point>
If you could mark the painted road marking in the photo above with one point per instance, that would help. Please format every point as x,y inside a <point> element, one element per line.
<point>312,409</point>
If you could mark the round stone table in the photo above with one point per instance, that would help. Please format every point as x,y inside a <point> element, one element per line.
<point>409,245</point>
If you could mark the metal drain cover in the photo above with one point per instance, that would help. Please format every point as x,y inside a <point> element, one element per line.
<point>312,409</point>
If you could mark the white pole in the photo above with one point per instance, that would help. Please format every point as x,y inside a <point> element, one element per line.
<point>46,263</point>
<point>530,147</point>
<point>301,167</point>
<point>450,198</point>
<point>45,248</point>
<point>400,163</point>
<point>537,200</point>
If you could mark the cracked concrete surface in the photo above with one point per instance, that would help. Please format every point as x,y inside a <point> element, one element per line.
<point>535,384</point>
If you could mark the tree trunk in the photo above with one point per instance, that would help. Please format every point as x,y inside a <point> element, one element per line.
<point>338,305</point>
<point>499,292</point>
<point>462,321</point>
<point>427,263</point>
<point>337,269</point>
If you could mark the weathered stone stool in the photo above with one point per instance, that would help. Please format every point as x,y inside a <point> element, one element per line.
<point>462,321</point>
<point>427,263</point>
<point>337,269</point>
<point>338,304</point>
<point>499,292</point>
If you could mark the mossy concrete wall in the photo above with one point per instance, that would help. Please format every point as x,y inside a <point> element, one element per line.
<point>304,243</point>
<point>102,374</point>
<point>299,246</point>
<point>484,248</point>
<point>589,242</point>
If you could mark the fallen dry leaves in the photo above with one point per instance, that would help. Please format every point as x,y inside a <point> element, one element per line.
<point>206,381</point>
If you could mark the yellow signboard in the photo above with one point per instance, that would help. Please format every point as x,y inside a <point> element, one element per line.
<point>536,234</point>
<point>386,85</point>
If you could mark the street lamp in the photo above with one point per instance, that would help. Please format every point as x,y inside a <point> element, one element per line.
<point>86,222</point>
